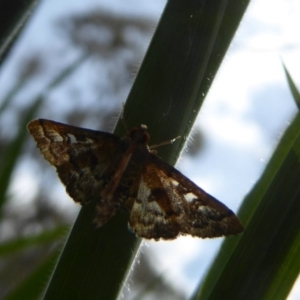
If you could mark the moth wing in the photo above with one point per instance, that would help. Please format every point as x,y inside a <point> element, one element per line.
<point>168,204</point>
<point>83,158</point>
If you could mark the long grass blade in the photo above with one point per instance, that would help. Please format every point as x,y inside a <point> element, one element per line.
<point>180,64</point>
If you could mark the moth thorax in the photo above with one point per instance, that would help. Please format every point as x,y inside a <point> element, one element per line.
<point>140,134</point>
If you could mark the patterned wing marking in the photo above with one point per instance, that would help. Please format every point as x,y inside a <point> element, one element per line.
<point>169,204</point>
<point>84,159</point>
<point>124,195</point>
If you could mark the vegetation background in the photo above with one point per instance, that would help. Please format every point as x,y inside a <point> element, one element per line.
<point>80,76</point>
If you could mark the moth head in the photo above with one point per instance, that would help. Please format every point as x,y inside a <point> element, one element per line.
<point>140,134</point>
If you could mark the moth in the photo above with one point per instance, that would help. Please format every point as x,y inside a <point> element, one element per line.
<point>125,173</point>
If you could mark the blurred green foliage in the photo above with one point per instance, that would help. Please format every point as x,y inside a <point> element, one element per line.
<point>260,264</point>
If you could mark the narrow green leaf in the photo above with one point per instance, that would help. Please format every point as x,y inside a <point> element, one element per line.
<point>13,16</point>
<point>292,85</point>
<point>19,244</point>
<point>13,151</point>
<point>181,62</point>
<point>34,285</point>
<point>7,100</point>
<point>64,74</point>
<point>255,265</point>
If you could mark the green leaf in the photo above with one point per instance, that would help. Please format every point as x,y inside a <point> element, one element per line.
<point>13,15</point>
<point>292,85</point>
<point>180,64</point>
<point>34,285</point>
<point>19,244</point>
<point>264,262</point>
<point>13,150</point>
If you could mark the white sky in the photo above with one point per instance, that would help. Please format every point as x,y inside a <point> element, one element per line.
<point>255,113</point>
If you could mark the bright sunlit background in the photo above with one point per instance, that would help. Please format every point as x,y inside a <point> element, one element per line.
<point>243,117</point>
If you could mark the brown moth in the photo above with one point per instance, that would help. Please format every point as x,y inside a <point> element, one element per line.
<point>124,172</point>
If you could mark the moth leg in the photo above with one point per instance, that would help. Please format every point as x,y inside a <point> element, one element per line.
<point>168,142</point>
